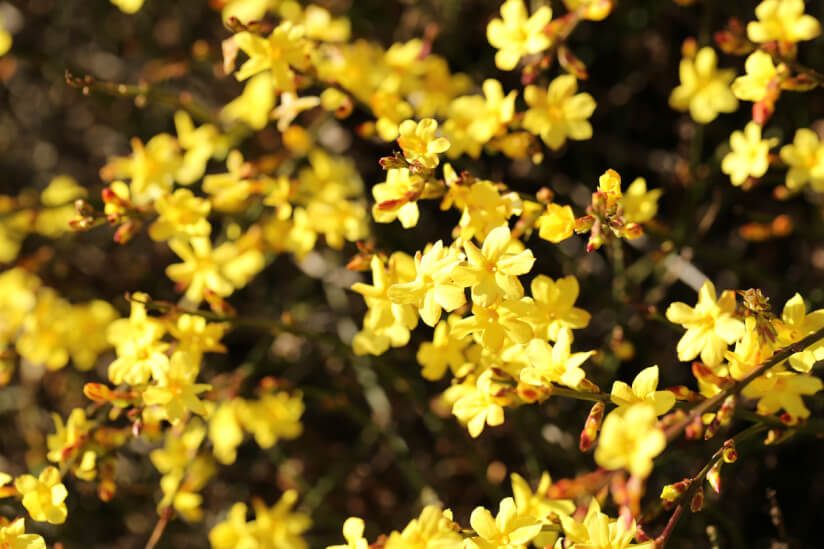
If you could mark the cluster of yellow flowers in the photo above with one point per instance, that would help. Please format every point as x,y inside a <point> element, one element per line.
<point>771,66</point>
<point>503,339</point>
<point>45,329</point>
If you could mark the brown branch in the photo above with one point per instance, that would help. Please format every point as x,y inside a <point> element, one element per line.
<point>712,403</point>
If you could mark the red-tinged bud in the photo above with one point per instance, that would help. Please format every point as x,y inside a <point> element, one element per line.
<point>799,83</point>
<point>725,412</point>
<point>695,429</point>
<point>531,393</point>
<point>777,436</point>
<point>732,43</point>
<point>106,489</point>
<point>788,419</point>
<point>705,374</point>
<point>689,48</point>
<point>360,262</point>
<point>366,130</point>
<point>714,477</point>
<point>125,232</point>
<point>697,501</point>
<point>762,111</point>
<point>137,427</point>
<point>571,63</point>
<point>682,392</point>
<point>632,231</point>
<point>392,204</point>
<point>673,492</point>
<point>98,392</point>
<point>782,225</point>
<point>396,161</point>
<point>592,425</point>
<point>110,197</point>
<point>598,10</point>
<point>545,195</point>
<point>713,428</point>
<point>584,224</point>
<point>729,453</point>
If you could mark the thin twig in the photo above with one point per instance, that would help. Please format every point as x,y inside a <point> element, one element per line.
<point>711,403</point>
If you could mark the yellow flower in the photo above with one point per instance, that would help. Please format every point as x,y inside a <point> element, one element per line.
<point>554,364</point>
<point>444,351</point>
<point>805,157</point>
<point>639,204</point>
<point>225,431</point>
<point>477,404</point>
<point>780,389</point>
<point>508,530</point>
<point>491,326</point>
<point>515,35</point>
<point>559,113</point>
<point>151,167</point>
<point>598,531</point>
<point>760,72</point>
<point>538,506</point>
<point>179,449</point>
<point>176,392</point>
<point>494,269</point>
<point>44,497</point>
<point>704,89</point>
<point>554,306</point>
<point>254,104</point>
<point>557,223</point>
<point>290,107</point>
<point>46,334</point>
<point>137,343</point>
<point>234,531</point>
<point>13,535</point>
<point>69,438</point>
<point>782,20</point>
<point>595,10</point>
<point>796,324</point>
<point>482,205</point>
<point>247,10</point>
<point>386,322</point>
<point>5,38</point>
<point>419,144</point>
<point>749,156</point>
<point>710,326</point>
<point>200,144</point>
<point>285,46</point>
<point>278,526</point>
<point>317,21</point>
<point>220,270</point>
<point>395,198</point>
<point>630,439</point>
<point>433,528</point>
<point>180,214</point>
<point>643,390</point>
<point>87,339</point>
<point>274,416</point>
<point>353,534</point>
<point>128,6</point>
<point>433,288</point>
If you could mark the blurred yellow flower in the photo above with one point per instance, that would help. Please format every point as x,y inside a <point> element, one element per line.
<point>704,89</point>
<point>782,20</point>
<point>749,156</point>
<point>516,35</point>
<point>559,113</point>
